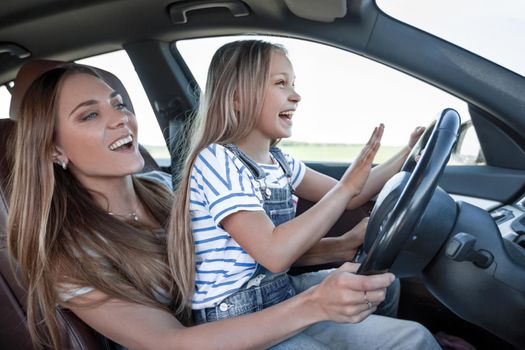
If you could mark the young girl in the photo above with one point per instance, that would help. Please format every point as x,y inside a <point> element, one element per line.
<point>235,204</point>
<point>89,235</point>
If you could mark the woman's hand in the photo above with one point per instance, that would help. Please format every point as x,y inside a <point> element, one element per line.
<point>351,240</point>
<point>346,297</point>
<point>415,136</point>
<point>357,174</point>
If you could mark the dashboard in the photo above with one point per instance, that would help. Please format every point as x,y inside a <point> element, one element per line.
<point>510,218</point>
<point>511,221</point>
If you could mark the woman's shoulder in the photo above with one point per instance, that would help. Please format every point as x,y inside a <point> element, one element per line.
<point>159,176</point>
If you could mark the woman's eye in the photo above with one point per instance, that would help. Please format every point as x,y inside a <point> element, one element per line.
<point>280,83</point>
<point>120,106</point>
<point>89,116</point>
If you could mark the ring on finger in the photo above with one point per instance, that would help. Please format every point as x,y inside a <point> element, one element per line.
<point>368,302</point>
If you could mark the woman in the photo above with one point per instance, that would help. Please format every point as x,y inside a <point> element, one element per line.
<point>90,236</point>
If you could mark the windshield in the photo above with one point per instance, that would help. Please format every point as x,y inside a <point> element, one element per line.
<point>492,29</point>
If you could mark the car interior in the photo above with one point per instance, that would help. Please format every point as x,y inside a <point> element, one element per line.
<point>464,276</point>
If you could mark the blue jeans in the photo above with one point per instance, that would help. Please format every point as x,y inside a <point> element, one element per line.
<point>375,332</point>
<point>262,291</point>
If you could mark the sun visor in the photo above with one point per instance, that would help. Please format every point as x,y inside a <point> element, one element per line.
<point>318,10</point>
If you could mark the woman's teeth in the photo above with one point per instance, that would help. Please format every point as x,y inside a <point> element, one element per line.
<point>119,143</point>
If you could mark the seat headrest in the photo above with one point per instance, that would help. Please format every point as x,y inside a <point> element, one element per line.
<point>34,69</point>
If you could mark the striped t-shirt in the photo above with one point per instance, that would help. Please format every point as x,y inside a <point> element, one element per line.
<point>222,185</point>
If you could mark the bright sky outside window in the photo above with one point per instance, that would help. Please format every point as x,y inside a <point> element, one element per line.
<point>492,29</point>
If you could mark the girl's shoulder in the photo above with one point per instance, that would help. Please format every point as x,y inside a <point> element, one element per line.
<point>289,158</point>
<point>214,153</point>
<point>218,159</point>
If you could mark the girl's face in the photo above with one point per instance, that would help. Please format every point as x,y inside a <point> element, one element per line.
<point>96,134</point>
<point>280,102</point>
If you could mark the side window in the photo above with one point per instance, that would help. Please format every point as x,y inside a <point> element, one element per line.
<point>5,97</point>
<point>468,149</point>
<point>343,96</point>
<point>150,135</point>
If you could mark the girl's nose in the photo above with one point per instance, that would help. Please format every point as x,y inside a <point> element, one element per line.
<point>295,97</point>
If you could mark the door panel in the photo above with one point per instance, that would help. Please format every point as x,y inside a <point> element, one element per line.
<point>493,183</point>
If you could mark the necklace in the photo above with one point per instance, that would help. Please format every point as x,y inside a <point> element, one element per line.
<point>132,214</point>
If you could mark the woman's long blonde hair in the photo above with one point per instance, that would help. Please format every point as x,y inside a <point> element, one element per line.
<point>60,236</point>
<point>228,111</point>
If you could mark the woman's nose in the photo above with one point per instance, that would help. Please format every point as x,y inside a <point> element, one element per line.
<point>119,118</point>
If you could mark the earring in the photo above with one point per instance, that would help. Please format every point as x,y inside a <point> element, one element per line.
<point>62,163</point>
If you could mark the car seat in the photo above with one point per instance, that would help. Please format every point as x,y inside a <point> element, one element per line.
<point>14,333</point>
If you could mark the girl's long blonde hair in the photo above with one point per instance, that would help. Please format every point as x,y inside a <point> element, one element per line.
<point>60,236</point>
<point>228,111</point>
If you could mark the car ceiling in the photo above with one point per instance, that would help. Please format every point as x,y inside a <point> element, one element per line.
<point>66,30</point>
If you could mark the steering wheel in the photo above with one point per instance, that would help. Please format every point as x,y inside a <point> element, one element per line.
<point>388,228</point>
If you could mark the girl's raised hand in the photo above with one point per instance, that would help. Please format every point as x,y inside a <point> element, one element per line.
<point>356,175</point>
<point>346,297</point>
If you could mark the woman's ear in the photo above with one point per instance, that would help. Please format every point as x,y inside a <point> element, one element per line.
<point>59,157</point>
<point>236,102</point>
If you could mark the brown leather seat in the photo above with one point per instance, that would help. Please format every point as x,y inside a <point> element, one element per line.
<point>13,329</point>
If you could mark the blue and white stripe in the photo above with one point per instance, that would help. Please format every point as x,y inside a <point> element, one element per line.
<point>221,185</point>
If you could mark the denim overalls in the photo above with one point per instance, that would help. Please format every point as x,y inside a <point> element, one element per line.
<point>265,288</point>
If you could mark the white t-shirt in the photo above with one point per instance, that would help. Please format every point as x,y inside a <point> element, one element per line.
<point>222,185</point>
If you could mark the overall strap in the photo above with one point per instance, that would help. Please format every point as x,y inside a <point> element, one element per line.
<point>257,172</point>
<point>280,158</point>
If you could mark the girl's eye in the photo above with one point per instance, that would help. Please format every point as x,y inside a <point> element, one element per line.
<point>89,116</point>
<point>280,83</point>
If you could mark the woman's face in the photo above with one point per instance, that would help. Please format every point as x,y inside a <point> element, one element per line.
<point>96,134</point>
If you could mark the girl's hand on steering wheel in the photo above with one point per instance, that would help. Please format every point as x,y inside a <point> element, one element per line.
<point>415,136</point>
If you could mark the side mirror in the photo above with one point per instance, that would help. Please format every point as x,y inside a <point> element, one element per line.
<point>467,150</point>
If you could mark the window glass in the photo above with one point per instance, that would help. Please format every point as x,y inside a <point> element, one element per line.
<point>343,97</point>
<point>5,98</point>
<point>150,135</point>
<point>492,29</point>
<point>468,149</point>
